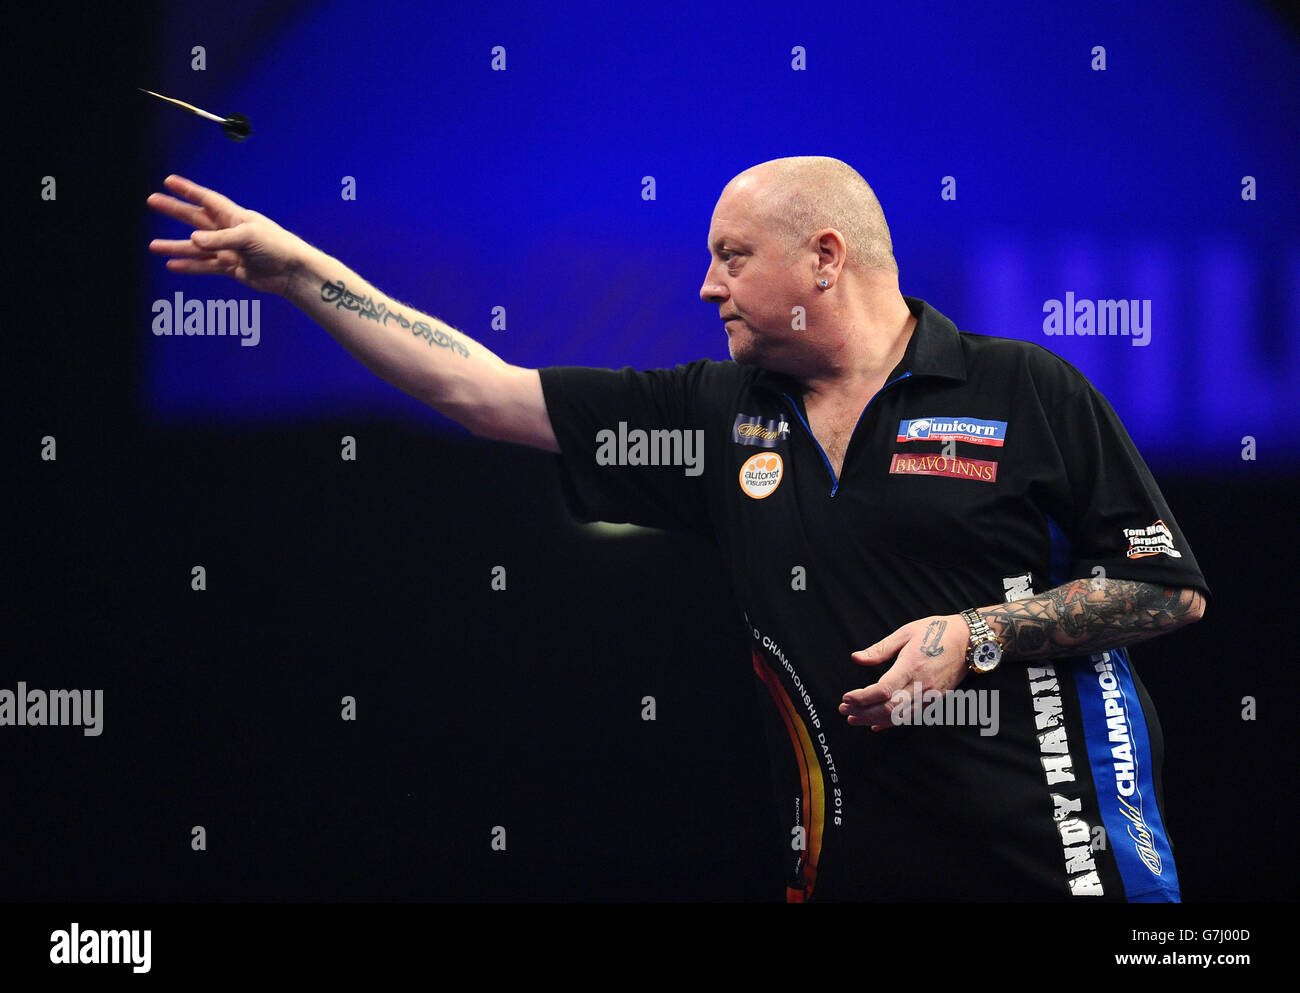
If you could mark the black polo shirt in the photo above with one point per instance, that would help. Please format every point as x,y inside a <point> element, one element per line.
<point>985,469</point>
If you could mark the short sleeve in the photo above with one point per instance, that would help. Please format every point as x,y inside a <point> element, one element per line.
<point>631,444</point>
<point>1115,516</point>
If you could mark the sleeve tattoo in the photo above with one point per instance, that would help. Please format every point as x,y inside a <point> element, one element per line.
<point>1087,616</point>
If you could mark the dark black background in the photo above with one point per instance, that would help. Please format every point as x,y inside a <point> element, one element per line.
<point>371,579</point>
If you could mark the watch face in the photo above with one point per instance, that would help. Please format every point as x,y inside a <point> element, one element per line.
<point>986,656</point>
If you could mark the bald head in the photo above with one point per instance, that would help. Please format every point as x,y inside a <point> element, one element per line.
<point>804,194</point>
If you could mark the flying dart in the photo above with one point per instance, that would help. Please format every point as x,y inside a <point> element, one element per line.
<point>235,126</point>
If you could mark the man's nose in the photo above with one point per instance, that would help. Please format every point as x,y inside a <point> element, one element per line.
<point>712,291</point>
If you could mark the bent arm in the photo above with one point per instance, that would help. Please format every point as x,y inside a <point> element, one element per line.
<point>1086,616</point>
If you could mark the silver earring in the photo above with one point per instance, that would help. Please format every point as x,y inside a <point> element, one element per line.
<point>825,284</point>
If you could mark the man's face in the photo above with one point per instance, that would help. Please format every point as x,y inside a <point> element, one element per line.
<point>751,278</point>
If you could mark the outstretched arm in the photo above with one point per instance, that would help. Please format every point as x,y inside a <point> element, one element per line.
<point>417,353</point>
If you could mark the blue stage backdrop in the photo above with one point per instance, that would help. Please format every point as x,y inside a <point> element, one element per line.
<point>563,164</point>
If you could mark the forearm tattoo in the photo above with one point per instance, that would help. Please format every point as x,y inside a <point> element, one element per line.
<point>1087,616</point>
<point>343,298</point>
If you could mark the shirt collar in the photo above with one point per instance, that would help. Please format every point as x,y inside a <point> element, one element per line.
<point>934,349</point>
<point>935,346</point>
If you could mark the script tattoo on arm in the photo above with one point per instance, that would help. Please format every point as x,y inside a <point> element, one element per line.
<point>1085,616</point>
<point>365,306</point>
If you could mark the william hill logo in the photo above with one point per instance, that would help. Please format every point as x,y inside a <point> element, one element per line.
<point>751,429</point>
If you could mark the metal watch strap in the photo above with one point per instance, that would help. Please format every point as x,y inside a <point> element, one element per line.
<point>980,632</point>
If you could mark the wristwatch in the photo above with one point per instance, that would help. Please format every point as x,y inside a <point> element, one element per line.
<point>985,651</point>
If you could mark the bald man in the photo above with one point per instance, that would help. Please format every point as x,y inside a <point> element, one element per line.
<point>960,522</point>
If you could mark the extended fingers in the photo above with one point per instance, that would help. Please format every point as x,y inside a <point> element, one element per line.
<point>867,707</point>
<point>201,195</point>
<point>873,717</point>
<point>236,238</point>
<point>209,265</point>
<point>873,706</point>
<point>868,696</point>
<point>186,213</point>
<point>177,248</point>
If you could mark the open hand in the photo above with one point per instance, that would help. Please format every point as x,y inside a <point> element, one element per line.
<point>931,651</point>
<point>228,239</point>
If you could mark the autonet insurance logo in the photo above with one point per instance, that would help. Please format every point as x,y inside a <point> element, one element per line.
<point>761,475</point>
